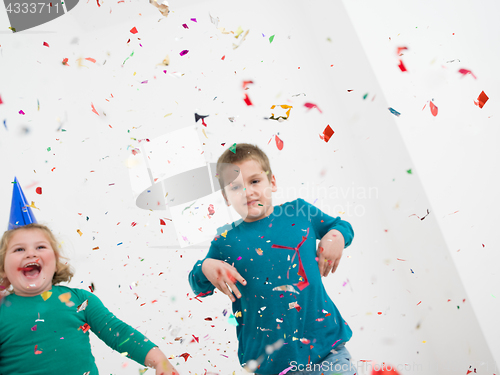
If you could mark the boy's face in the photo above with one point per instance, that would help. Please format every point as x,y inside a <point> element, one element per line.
<point>251,192</point>
<point>30,262</point>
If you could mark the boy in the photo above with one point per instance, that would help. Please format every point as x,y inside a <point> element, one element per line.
<point>286,320</point>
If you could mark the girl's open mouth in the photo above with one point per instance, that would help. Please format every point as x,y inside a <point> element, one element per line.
<point>31,270</point>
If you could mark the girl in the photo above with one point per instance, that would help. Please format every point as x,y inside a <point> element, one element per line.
<point>44,326</point>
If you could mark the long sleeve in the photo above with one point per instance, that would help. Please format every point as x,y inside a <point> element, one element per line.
<point>323,223</point>
<point>114,332</point>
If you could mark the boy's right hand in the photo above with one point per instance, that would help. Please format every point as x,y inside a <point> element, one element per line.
<point>223,276</point>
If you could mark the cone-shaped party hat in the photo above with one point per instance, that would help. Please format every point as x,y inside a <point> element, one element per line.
<point>20,212</point>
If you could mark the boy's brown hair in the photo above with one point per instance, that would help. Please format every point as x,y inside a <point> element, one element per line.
<point>63,270</point>
<point>243,151</point>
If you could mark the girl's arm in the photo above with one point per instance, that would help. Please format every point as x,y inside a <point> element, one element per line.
<point>157,360</point>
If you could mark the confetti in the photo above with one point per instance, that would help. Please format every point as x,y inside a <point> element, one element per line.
<point>464,72</point>
<point>83,306</point>
<point>37,351</point>
<point>66,298</point>
<point>163,8</point>
<point>184,52</point>
<point>401,49</point>
<point>284,106</point>
<point>402,66</point>
<point>93,109</point>
<point>39,190</point>
<point>271,38</point>
<point>421,218</point>
<point>232,320</point>
<point>481,100</point>
<point>233,150</point>
<point>327,133</point>
<point>304,283</point>
<point>46,44</point>
<point>311,105</point>
<point>247,100</point>
<point>394,112</point>
<point>286,288</point>
<point>279,143</point>
<point>46,295</point>
<point>434,109</point>
<point>21,112</point>
<point>79,232</point>
<point>198,117</point>
<point>133,30</point>
<point>85,328</point>
<point>185,26</point>
<point>65,61</point>
<point>185,356</point>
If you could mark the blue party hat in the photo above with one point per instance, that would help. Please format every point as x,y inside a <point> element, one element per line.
<point>20,212</point>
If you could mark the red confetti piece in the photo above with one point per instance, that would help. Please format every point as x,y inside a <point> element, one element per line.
<point>1,102</point>
<point>99,5</point>
<point>39,190</point>
<point>185,356</point>
<point>93,109</point>
<point>184,52</point>
<point>311,105</point>
<point>279,143</point>
<point>185,26</point>
<point>37,351</point>
<point>297,307</point>
<point>133,224</point>
<point>402,66</point>
<point>65,61</point>
<point>434,109</point>
<point>133,30</point>
<point>85,327</point>
<point>46,44</point>
<point>162,222</point>
<point>327,133</point>
<point>208,319</point>
<point>91,60</point>
<point>247,100</point>
<point>481,99</point>
<point>223,57</point>
<point>246,83</point>
<point>401,49</point>
<point>196,338</point>
<point>464,72</point>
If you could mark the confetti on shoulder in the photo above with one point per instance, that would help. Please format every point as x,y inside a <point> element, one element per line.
<point>83,306</point>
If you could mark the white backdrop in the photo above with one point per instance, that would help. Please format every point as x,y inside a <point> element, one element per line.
<point>412,299</point>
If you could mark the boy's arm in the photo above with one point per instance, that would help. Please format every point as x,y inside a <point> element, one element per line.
<point>199,283</point>
<point>329,252</point>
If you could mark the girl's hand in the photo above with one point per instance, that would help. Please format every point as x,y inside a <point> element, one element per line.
<point>223,276</point>
<point>330,251</point>
<point>157,360</point>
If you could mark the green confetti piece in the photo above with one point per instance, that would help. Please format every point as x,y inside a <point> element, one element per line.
<point>233,148</point>
<point>271,38</point>
<point>132,54</point>
<point>409,171</point>
<point>365,96</point>
<point>48,149</point>
<point>232,320</point>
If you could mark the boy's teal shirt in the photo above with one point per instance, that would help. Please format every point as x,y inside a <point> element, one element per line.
<point>272,306</point>
<point>40,336</point>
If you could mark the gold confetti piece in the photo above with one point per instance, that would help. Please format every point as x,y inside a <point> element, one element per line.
<point>259,251</point>
<point>32,205</point>
<point>224,234</point>
<point>96,248</point>
<point>124,354</point>
<point>238,314</point>
<point>79,232</point>
<point>168,114</point>
<point>239,30</point>
<point>163,8</point>
<point>205,134</point>
<point>46,295</point>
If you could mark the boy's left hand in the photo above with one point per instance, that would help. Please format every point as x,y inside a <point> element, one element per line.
<point>330,251</point>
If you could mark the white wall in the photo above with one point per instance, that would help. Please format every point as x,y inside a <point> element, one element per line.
<point>361,171</point>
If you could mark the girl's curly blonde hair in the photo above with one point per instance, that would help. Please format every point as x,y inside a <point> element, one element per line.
<point>63,269</point>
